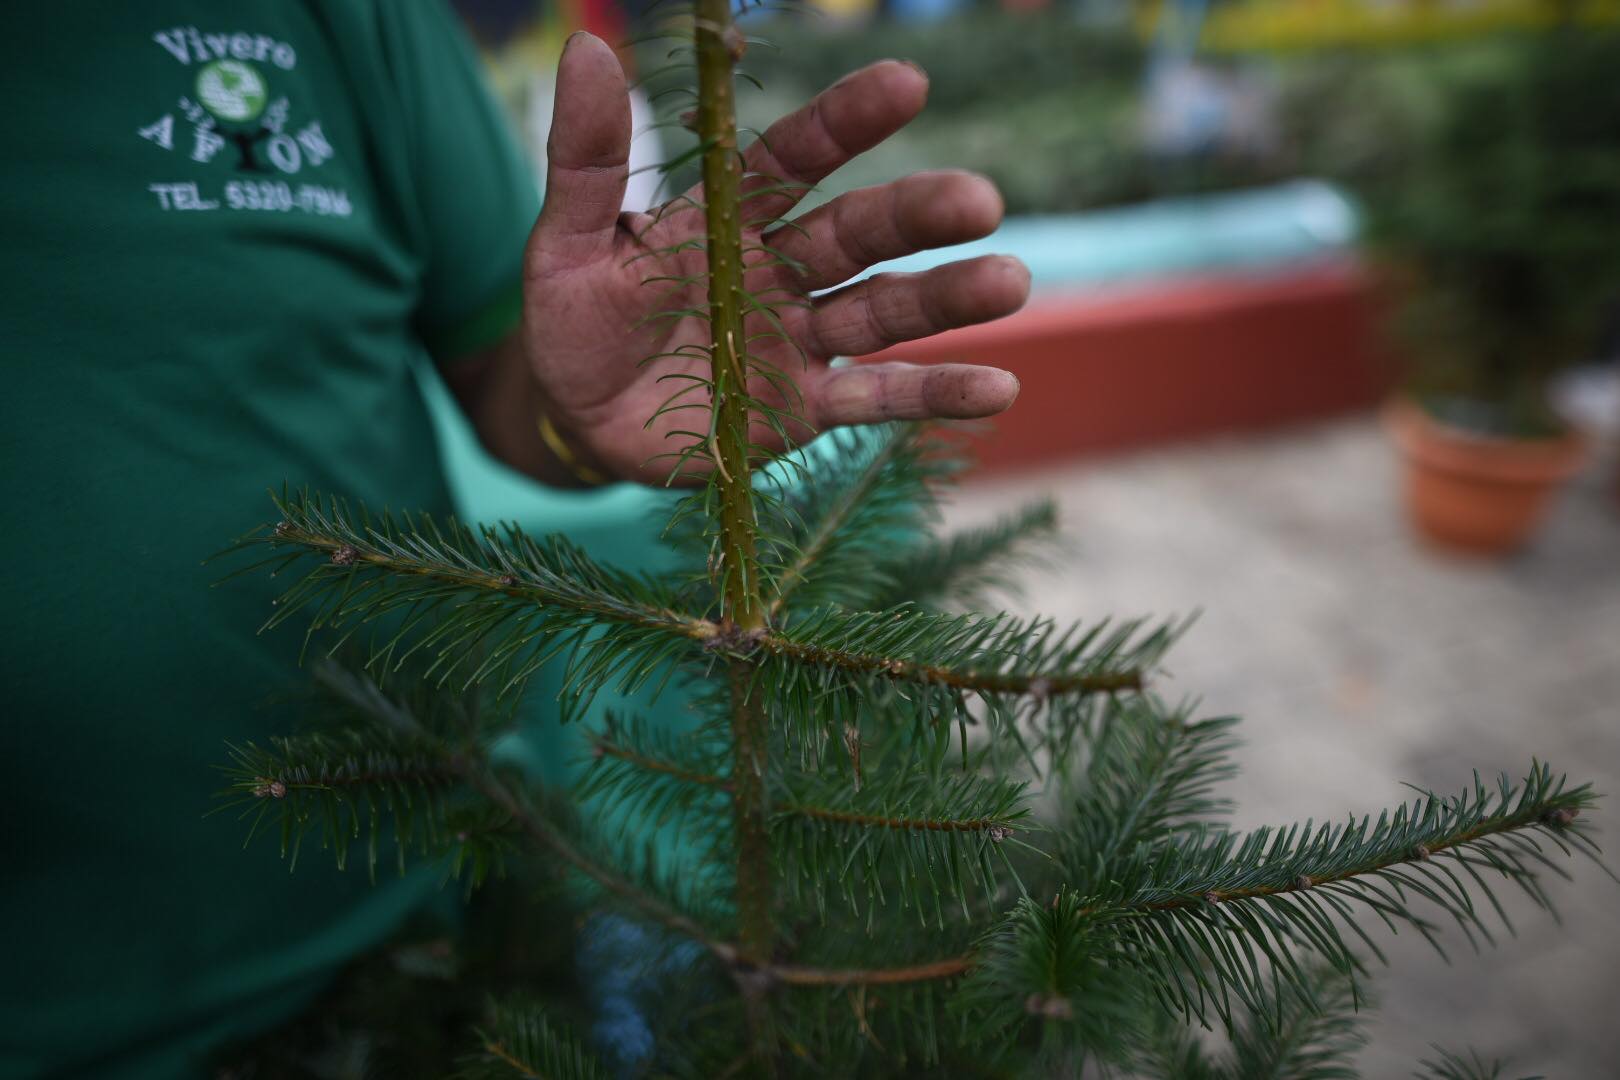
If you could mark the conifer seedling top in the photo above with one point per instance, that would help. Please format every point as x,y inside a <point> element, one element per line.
<point>919,839</point>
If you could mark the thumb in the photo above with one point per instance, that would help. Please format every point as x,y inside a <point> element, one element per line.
<point>587,154</point>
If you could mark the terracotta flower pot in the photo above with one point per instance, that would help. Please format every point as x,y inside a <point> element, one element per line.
<point>1477,494</point>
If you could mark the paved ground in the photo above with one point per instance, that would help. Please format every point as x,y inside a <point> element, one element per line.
<point>1359,661</point>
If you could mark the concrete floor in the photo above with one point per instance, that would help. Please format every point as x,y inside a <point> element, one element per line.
<point>1360,661</point>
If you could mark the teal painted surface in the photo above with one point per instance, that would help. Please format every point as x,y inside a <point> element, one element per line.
<point>1300,220</point>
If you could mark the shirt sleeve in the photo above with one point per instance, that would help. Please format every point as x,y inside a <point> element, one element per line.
<point>476,197</point>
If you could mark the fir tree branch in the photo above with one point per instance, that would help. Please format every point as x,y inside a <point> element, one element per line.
<point>1195,909</point>
<point>603,746</point>
<point>929,671</point>
<point>1341,854</point>
<point>996,828</point>
<point>1151,775</point>
<point>554,841</point>
<point>643,773</point>
<point>1299,1039</point>
<point>947,968</point>
<point>963,567</point>
<point>548,573</point>
<point>996,656</point>
<point>346,784</point>
<point>341,785</point>
<point>997,824</point>
<point>866,492</point>
<point>519,1043</point>
<point>900,669</point>
<point>831,524</point>
<point>388,764</point>
<point>1450,1065</point>
<point>930,840</point>
<point>1057,964</point>
<point>488,606</point>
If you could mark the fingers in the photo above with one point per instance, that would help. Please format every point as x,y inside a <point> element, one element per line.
<point>871,225</point>
<point>873,393</point>
<point>890,308</point>
<point>588,154</point>
<point>849,117</point>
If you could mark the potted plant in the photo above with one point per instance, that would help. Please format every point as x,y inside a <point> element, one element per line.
<point>1501,224</point>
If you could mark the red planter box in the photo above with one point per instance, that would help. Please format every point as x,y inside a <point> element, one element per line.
<point>1131,366</point>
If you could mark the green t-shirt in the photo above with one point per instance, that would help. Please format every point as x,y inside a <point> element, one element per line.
<point>230,232</point>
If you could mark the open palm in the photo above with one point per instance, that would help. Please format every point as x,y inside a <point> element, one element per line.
<point>588,269</point>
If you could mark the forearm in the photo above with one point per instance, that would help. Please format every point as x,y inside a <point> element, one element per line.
<point>498,392</point>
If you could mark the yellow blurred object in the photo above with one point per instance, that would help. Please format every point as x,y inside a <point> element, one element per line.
<point>1303,24</point>
<point>846,9</point>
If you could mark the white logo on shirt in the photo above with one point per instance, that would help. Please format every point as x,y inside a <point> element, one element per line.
<point>234,118</point>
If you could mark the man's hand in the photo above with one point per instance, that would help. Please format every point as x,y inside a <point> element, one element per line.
<point>587,263</point>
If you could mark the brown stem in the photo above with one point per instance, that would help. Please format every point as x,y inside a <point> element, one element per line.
<point>846,817</point>
<point>1530,817</point>
<point>908,824</point>
<point>756,931</point>
<point>719,45</point>
<point>346,554</point>
<point>558,845</point>
<point>1541,814</point>
<point>431,776</point>
<point>498,1050</point>
<point>988,682</point>
<point>804,976</point>
<point>843,816</point>
<point>668,768</point>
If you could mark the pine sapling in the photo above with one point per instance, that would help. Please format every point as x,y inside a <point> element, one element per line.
<point>916,837</point>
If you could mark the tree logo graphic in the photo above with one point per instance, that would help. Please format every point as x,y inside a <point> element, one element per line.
<point>231,90</point>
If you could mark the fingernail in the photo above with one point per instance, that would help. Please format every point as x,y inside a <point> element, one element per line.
<point>914,66</point>
<point>575,36</point>
<point>1009,384</point>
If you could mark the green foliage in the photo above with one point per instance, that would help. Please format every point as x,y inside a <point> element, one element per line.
<point>1307,1041</point>
<point>1150,778</point>
<point>664,776</point>
<point>924,836</point>
<point>1056,967</point>
<point>345,787</point>
<point>490,605</point>
<point>1218,913</point>
<point>1044,104</point>
<point>1449,1065</point>
<point>833,666</point>
<point>367,762</point>
<point>1288,1038</point>
<point>964,568</point>
<point>1497,216</point>
<point>985,57</point>
<point>519,1043</point>
<point>865,493</point>
<point>881,804</point>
